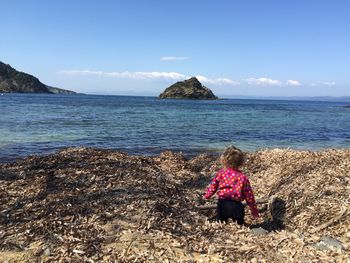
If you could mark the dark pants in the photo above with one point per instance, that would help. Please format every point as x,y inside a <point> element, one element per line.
<point>230,209</point>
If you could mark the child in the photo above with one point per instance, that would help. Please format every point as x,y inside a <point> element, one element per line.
<point>233,187</point>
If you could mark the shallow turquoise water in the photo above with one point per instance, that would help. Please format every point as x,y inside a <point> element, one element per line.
<point>40,124</point>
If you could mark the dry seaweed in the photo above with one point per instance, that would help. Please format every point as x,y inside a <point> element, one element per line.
<point>90,205</point>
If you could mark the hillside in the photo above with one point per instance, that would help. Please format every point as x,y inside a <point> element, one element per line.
<point>13,81</point>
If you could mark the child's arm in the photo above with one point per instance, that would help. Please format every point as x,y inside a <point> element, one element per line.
<point>249,197</point>
<point>213,187</point>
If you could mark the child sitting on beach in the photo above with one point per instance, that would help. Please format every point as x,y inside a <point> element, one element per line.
<point>232,188</point>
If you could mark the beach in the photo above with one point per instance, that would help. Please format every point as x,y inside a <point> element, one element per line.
<point>116,116</point>
<point>99,205</point>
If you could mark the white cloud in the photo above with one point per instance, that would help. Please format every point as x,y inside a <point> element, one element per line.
<point>324,83</point>
<point>291,82</point>
<point>174,58</point>
<point>127,74</point>
<point>80,72</point>
<point>263,82</point>
<point>175,76</point>
<point>330,83</point>
<point>217,81</point>
<point>156,75</point>
<point>150,75</point>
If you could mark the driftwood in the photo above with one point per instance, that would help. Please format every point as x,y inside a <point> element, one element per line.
<point>258,201</point>
<point>330,222</point>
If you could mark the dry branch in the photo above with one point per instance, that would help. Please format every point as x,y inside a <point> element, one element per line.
<point>330,222</point>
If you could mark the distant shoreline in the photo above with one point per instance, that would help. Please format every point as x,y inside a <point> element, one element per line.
<point>345,99</point>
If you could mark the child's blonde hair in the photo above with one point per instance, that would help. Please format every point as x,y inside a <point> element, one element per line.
<point>232,157</point>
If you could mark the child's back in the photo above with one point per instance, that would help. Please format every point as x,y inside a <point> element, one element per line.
<point>232,187</point>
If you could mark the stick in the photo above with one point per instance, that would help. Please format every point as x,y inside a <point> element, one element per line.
<point>328,223</point>
<point>258,201</point>
<point>127,249</point>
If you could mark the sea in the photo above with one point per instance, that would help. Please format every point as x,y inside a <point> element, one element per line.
<point>40,124</point>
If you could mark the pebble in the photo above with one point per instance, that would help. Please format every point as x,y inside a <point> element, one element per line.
<point>259,231</point>
<point>47,252</point>
<point>327,243</point>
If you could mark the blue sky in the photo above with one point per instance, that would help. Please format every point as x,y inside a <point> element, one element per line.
<point>259,48</point>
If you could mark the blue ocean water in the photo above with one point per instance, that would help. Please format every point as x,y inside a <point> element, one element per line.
<point>41,124</point>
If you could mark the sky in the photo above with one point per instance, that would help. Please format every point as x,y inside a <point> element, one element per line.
<point>234,47</point>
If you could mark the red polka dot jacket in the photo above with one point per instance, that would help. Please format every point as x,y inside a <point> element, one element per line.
<point>232,184</point>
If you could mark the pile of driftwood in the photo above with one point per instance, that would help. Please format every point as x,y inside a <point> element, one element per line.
<point>92,205</point>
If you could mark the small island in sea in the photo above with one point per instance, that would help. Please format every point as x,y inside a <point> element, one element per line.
<point>13,81</point>
<point>188,89</point>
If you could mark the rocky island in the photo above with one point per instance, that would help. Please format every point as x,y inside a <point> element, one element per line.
<point>13,81</point>
<point>188,89</point>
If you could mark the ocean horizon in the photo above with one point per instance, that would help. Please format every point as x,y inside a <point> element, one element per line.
<point>145,125</point>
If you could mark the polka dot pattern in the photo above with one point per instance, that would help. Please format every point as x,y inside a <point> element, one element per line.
<point>232,184</point>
